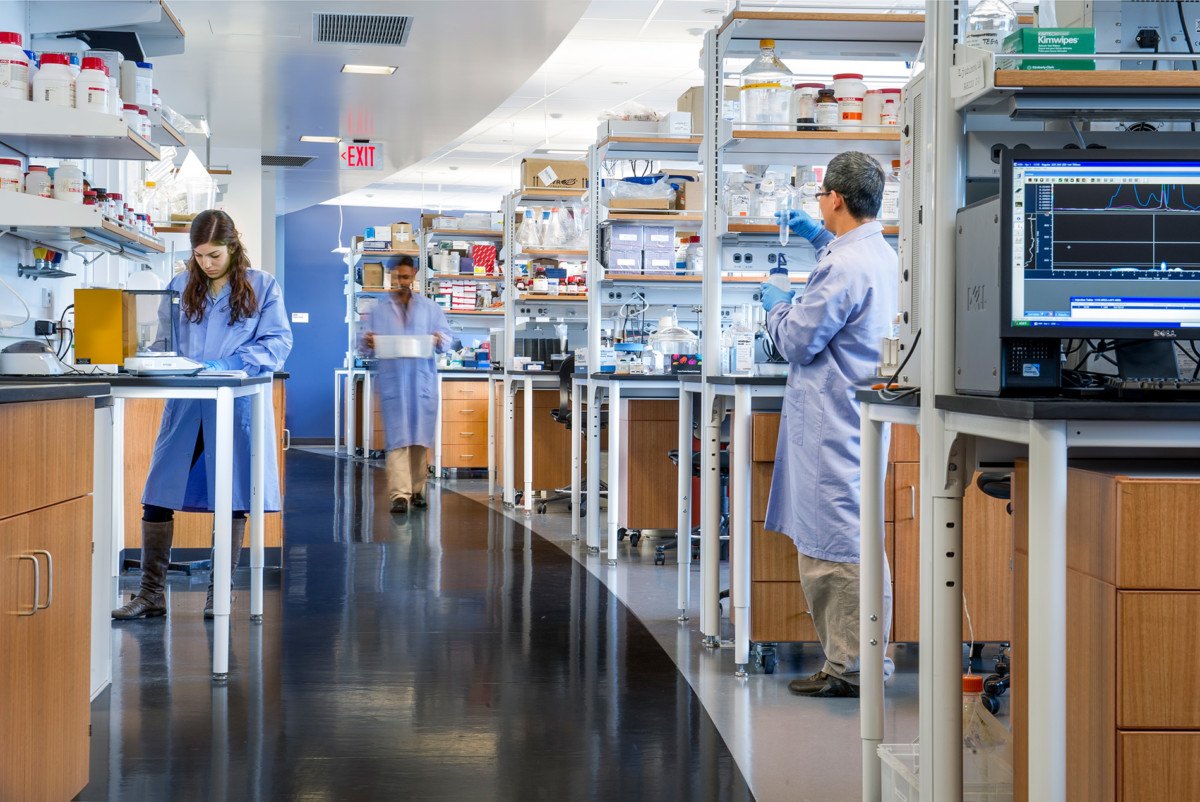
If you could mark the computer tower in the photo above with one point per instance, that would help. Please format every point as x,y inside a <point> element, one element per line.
<point>985,364</point>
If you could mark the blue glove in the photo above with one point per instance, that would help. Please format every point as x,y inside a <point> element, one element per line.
<point>772,296</point>
<point>801,224</point>
<point>212,364</point>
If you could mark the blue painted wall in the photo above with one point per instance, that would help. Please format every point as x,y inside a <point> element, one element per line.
<point>313,280</point>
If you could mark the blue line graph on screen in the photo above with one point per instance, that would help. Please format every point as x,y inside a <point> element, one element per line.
<point>1161,198</point>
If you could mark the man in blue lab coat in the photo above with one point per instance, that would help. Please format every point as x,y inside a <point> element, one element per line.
<point>831,337</point>
<point>407,385</point>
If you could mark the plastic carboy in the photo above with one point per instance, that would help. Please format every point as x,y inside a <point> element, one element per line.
<point>989,22</point>
<point>766,95</point>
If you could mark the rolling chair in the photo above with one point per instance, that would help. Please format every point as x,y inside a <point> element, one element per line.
<point>562,416</point>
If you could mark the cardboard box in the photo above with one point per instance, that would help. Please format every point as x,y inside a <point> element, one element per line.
<point>640,204</point>
<point>372,274</point>
<point>692,101</point>
<point>690,197</point>
<point>553,174</point>
<point>1050,41</point>
<point>427,220</point>
<point>676,123</point>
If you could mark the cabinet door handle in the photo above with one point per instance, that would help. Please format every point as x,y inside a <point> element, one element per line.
<point>912,502</point>
<point>467,456</point>
<point>287,439</point>
<point>466,434</point>
<point>49,580</point>
<point>37,582</point>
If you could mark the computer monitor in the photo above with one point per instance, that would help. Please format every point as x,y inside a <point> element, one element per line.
<point>1100,244</point>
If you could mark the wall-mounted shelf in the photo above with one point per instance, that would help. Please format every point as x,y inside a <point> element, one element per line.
<point>64,226</point>
<point>666,218</point>
<point>159,31</point>
<point>773,229</point>
<point>173,229</point>
<point>78,134</point>
<point>163,133</point>
<point>739,144</point>
<point>682,148</point>
<point>396,252</point>
<point>537,253</point>
<point>814,34</point>
<point>465,233</point>
<point>539,298</point>
<point>531,196</point>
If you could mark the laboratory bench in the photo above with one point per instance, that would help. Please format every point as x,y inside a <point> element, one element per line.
<point>540,456</point>
<point>47,586</point>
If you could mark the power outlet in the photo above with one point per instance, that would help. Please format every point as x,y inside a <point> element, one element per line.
<point>47,298</point>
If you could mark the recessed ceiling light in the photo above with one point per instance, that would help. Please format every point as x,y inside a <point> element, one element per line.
<point>696,31</point>
<point>714,11</point>
<point>367,69</point>
<point>620,83</point>
<point>333,140</point>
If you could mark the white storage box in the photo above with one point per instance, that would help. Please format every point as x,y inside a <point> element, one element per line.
<point>404,346</point>
<point>609,128</point>
<point>901,783</point>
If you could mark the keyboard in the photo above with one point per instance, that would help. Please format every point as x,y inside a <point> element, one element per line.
<point>1154,389</point>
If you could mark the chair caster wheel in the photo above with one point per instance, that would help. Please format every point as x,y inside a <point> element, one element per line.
<point>541,509</point>
<point>635,538</point>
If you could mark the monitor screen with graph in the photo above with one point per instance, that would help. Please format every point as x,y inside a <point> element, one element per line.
<point>1100,244</point>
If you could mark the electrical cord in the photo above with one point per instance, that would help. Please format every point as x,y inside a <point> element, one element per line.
<point>1187,37</point>
<point>886,393</point>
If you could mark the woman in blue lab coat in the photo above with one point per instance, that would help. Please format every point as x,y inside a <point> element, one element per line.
<point>407,386</point>
<point>831,338</point>
<point>231,318</point>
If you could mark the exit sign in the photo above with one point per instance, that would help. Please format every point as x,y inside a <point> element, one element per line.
<point>361,155</point>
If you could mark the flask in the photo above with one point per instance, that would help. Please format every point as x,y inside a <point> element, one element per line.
<point>14,67</point>
<point>766,93</point>
<point>988,24</point>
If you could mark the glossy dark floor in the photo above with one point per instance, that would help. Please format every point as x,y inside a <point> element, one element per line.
<point>448,654</point>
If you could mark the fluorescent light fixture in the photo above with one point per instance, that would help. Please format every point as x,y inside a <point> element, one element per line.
<point>562,152</point>
<point>367,69</point>
<point>333,140</point>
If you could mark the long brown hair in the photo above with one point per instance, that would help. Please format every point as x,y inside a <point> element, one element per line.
<point>217,227</point>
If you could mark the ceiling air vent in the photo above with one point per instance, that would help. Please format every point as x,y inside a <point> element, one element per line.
<point>285,161</point>
<point>361,29</point>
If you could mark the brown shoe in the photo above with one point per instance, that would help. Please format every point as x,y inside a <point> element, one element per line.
<point>419,501</point>
<point>151,600</point>
<point>399,506</point>
<point>822,685</point>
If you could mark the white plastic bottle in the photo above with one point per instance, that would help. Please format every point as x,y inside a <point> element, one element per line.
<point>11,177</point>
<point>737,347</point>
<point>851,92</point>
<point>37,181</point>
<point>68,182</point>
<point>988,24</point>
<point>695,256</point>
<point>91,87</point>
<point>777,276</point>
<point>53,82</point>
<point>137,83</point>
<point>73,63</point>
<point>14,67</point>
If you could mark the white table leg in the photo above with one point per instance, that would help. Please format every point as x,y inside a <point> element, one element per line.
<point>710,523</point>
<point>528,437</point>
<point>339,387</point>
<point>510,447</point>
<point>870,604</point>
<point>577,426</point>
<point>683,522</point>
<point>614,467</point>
<point>351,415</point>
<point>222,513</point>
<point>117,471</point>
<point>593,467</point>
<point>259,403</point>
<point>368,422</point>
<point>437,442</point>
<point>1047,603</point>
<point>491,419</point>
<point>739,535</point>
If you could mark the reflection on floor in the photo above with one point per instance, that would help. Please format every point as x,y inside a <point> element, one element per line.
<point>447,654</point>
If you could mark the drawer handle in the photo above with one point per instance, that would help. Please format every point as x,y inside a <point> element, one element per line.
<point>49,580</point>
<point>468,412</point>
<point>468,434</point>
<point>37,582</point>
<point>465,456</point>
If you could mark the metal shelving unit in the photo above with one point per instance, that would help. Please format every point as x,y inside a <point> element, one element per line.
<point>66,227</point>
<point>41,129</point>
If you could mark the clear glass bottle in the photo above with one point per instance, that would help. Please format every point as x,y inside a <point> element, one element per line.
<point>988,24</point>
<point>737,347</point>
<point>766,94</point>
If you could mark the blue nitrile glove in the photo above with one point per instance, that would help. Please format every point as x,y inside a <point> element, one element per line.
<point>212,364</point>
<point>772,296</point>
<point>801,224</point>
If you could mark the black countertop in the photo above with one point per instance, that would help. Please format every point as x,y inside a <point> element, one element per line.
<point>1070,408</point>
<point>758,380</point>
<point>19,391</point>
<point>636,377</point>
<point>125,380</point>
<point>873,397</point>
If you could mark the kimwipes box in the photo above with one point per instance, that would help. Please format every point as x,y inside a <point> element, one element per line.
<point>553,174</point>
<point>1049,41</point>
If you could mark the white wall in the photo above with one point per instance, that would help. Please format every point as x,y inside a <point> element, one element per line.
<point>244,200</point>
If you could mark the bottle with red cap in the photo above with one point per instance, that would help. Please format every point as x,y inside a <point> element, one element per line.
<point>91,87</point>
<point>11,177</point>
<point>14,67</point>
<point>53,82</point>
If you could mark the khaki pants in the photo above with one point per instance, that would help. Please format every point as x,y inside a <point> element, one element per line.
<point>832,593</point>
<point>406,472</point>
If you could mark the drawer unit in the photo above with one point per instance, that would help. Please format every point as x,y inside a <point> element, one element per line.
<point>779,613</point>
<point>1157,672</point>
<point>464,390</point>
<point>1159,765</point>
<point>469,411</point>
<point>460,433</point>
<point>464,456</point>
<point>41,440</point>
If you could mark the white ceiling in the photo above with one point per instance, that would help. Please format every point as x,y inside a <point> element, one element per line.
<point>252,69</point>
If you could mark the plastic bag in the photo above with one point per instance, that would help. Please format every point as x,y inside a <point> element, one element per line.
<point>631,111</point>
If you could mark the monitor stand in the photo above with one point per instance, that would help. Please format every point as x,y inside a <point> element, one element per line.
<point>1146,359</point>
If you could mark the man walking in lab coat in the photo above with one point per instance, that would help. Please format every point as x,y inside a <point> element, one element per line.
<point>407,385</point>
<point>831,338</point>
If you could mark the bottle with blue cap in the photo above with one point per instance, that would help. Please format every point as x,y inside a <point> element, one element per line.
<point>778,275</point>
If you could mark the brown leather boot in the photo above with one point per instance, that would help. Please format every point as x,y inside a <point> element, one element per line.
<point>151,601</point>
<point>237,534</point>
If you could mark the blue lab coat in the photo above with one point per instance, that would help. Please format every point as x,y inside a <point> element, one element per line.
<point>831,339</point>
<point>257,345</point>
<point>408,390</point>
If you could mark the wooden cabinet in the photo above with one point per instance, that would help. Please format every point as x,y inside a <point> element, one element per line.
<point>987,546</point>
<point>1133,718</point>
<point>464,424</point>
<point>649,498</point>
<point>193,530</point>
<point>45,600</point>
<point>551,441</point>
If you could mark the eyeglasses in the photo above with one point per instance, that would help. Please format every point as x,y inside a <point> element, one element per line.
<point>823,193</point>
